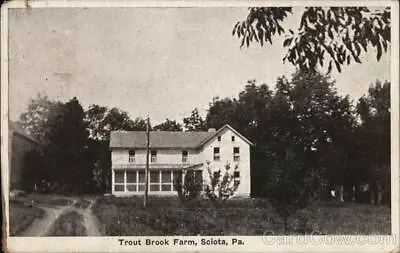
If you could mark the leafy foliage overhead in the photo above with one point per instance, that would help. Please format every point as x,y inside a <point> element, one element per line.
<point>336,35</point>
<point>102,120</point>
<point>168,125</point>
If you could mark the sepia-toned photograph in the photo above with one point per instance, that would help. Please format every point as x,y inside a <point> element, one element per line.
<point>208,122</point>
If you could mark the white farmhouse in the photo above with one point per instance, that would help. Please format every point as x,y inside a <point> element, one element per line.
<point>174,153</point>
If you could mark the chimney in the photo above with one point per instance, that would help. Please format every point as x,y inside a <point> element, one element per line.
<point>211,130</point>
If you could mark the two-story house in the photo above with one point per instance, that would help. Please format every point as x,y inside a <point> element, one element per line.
<point>174,153</point>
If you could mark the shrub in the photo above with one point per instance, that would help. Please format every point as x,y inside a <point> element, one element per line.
<point>190,188</point>
<point>222,185</point>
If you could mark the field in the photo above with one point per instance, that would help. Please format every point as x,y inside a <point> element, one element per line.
<point>166,216</point>
<point>22,216</point>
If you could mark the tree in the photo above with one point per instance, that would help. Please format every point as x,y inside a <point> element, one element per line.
<point>304,114</point>
<point>290,186</point>
<point>223,111</point>
<point>38,121</point>
<point>68,136</point>
<point>244,113</point>
<point>194,122</point>
<point>339,34</point>
<point>188,187</point>
<point>168,125</point>
<point>252,103</point>
<point>39,114</point>
<point>101,120</point>
<point>373,141</point>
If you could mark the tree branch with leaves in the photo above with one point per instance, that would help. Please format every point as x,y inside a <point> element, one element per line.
<point>222,185</point>
<point>336,35</point>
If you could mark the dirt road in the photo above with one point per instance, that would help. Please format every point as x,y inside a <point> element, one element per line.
<point>42,227</point>
<point>90,221</point>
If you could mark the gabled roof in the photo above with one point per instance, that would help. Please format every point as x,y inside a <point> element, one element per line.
<point>222,129</point>
<point>165,139</point>
<point>17,128</point>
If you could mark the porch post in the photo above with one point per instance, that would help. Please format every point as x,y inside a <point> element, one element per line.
<point>125,187</point>
<point>112,180</point>
<point>183,178</point>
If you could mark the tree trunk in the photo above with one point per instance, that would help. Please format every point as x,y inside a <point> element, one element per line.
<point>341,193</point>
<point>285,224</point>
<point>372,196</point>
<point>378,193</point>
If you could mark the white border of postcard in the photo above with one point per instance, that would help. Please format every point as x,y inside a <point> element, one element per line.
<point>328,243</point>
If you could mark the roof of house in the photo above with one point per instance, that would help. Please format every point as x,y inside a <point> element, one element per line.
<point>158,139</point>
<point>165,139</point>
<point>18,129</point>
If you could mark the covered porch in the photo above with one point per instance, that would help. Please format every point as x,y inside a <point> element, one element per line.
<point>129,179</point>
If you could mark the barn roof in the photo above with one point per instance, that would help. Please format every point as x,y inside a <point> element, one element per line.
<point>18,129</point>
<point>164,139</point>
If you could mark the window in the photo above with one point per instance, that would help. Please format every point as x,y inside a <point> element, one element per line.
<point>184,156</point>
<point>153,157</point>
<point>131,156</point>
<point>154,181</point>
<point>236,154</point>
<point>119,177</point>
<point>141,184</point>
<point>198,176</point>
<point>131,181</point>
<point>217,156</point>
<point>219,138</point>
<point>119,181</point>
<point>176,177</point>
<point>154,177</point>
<point>118,188</point>
<point>134,180</point>
<point>166,181</point>
<point>233,138</point>
<point>236,177</point>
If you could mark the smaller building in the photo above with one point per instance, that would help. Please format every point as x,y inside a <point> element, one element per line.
<point>20,143</point>
<point>174,153</point>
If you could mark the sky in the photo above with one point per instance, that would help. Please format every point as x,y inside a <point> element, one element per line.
<point>161,61</point>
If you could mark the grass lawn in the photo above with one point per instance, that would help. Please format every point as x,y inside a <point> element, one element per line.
<point>165,216</point>
<point>69,224</point>
<point>21,216</point>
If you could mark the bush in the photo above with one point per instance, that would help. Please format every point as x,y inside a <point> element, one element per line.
<point>222,185</point>
<point>190,189</point>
